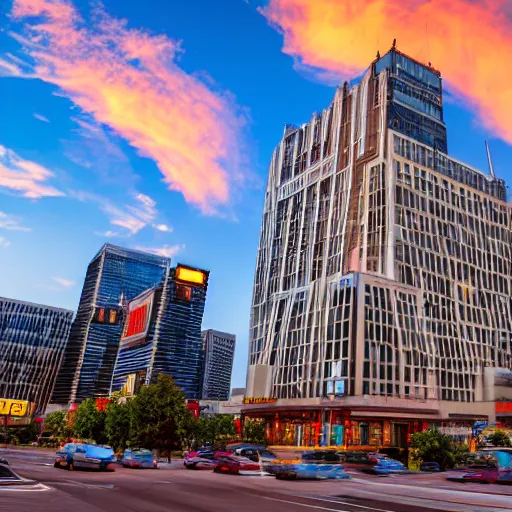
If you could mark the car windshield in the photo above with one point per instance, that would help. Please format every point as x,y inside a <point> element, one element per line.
<point>99,452</point>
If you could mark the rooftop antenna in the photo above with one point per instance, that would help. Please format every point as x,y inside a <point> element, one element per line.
<point>394,44</point>
<point>489,159</point>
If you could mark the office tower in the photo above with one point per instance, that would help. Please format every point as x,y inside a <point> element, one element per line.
<point>162,334</point>
<point>383,280</point>
<point>114,276</point>
<point>32,342</point>
<point>219,351</point>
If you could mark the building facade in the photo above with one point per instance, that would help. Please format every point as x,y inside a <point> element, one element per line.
<point>383,277</point>
<point>33,338</point>
<point>162,334</point>
<point>218,353</point>
<point>114,276</point>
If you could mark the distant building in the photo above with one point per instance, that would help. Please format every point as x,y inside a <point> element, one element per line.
<point>114,276</point>
<point>162,334</point>
<point>32,342</point>
<point>219,350</point>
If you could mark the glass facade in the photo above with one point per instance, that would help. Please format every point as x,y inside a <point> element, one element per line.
<point>219,350</point>
<point>114,276</point>
<point>173,344</point>
<point>32,342</point>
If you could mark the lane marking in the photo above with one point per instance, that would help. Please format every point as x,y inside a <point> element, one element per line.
<point>35,488</point>
<point>306,505</point>
<point>350,504</point>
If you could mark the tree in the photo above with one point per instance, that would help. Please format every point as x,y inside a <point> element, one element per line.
<point>255,432</point>
<point>89,422</point>
<point>118,424</point>
<point>215,430</point>
<point>432,446</point>
<point>57,423</point>
<point>160,417</point>
<point>499,437</point>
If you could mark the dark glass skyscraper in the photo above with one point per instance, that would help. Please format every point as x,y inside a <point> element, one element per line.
<point>114,276</point>
<point>219,350</point>
<point>32,342</point>
<point>162,334</point>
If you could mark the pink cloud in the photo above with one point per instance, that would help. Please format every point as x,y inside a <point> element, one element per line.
<point>129,81</point>
<point>25,176</point>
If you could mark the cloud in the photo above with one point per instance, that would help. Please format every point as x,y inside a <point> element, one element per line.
<point>25,176</point>
<point>108,234</point>
<point>129,81</point>
<point>65,283</point>
<point>41,118</point>
<point>11,223</point>
<point>343,36</point>
<point>166,251</point>
<point>163,227</point>
<point>4,242</point>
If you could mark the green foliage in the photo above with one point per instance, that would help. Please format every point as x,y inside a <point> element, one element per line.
<point>26,434</point>
<point>159,416</point>
<point>460,454</point>
<point>255,432</point>
<point>118,424</point>
<point>432,446</point>
<point>89,422</point>
<point>215,430</point>
<point>56,423</point>
<point>499,437</point>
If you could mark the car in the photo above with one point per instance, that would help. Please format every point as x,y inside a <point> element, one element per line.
<point>311,471</point>
<point>84,455</point>
<point>505,477</point>
<point>237,465</point>
<point>256,453</point>
<point>203,459</point>
<point>356,457</point>
<point>141,458</point>
<point>482,473</point>
<point>322,457</point>
<point>431,467</point>
<point>385,466</point>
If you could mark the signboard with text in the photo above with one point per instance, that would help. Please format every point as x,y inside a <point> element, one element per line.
<point>19,408</point>
<point>248,400</point>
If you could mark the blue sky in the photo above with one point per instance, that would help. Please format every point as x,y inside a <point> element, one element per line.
<point>102,180</point>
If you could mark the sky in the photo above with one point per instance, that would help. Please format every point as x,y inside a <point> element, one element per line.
<point>151,125</point>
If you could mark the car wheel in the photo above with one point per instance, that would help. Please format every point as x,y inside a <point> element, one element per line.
<point>56,464</point>
<point>71,466</point>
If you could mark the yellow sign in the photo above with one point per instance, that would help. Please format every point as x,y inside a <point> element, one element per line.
<point>259,400</point>
<point>190,276</point>
<point>14,407</point>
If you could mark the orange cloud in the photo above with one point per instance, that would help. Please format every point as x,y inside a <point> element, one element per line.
<point>470,41</point>
<point>128,80</point>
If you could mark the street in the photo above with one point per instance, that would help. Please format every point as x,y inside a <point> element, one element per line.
<point>173,488</point>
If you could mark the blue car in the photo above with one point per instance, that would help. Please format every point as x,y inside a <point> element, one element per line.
<point>385,466</point>
<point>83,455</point>
<point>138,459</point>
<point>311,472</point>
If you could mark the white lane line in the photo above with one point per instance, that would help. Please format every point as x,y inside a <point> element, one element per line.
<point>347,503</point>
<point>306,505</point>
<point>35,488</point>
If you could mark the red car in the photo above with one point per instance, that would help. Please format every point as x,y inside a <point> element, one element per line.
<point>486,472</point>
<point>236,465</point>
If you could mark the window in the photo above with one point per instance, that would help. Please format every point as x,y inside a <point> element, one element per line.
<point>183,292</point>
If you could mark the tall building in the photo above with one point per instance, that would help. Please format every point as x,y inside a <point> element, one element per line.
<point>114,276</point>
<point>382,292</point>
<point>162,334</point>
<point>219,351</point>
<point>32,342</point>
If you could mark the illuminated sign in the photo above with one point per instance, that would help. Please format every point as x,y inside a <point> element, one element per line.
<point>259,400</point>
<point>504,408</point>
<point>189,275</point>
<point>105,316</point>
<point>137,321</point>
<point>15,407</point>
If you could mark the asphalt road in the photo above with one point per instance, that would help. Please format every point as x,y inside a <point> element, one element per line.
<point>173,488</point>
